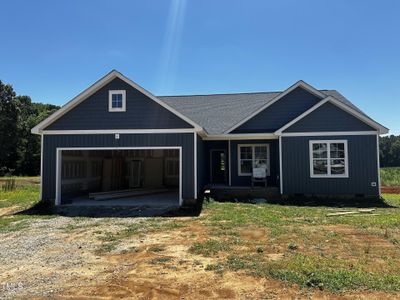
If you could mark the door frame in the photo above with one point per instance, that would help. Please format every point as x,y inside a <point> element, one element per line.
<point>217,150</point>
<point>57,198</point>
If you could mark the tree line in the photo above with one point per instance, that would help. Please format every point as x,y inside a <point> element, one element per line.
<point>389,148</point>
<point>19,148</point>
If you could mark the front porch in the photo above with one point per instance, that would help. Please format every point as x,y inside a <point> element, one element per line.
<point>227,167</point>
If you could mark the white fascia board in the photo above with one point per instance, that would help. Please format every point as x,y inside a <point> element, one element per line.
<point>243,136</point>
<point>299,83</point>
<point>344,107</point>
<point>115,131</point>
<point>95,87</point>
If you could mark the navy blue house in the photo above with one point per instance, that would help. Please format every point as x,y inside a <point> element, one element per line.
<point>116,136</point>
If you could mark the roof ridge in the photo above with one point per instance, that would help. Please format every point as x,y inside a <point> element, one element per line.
<point>226,94</point>
<point>219,94</point>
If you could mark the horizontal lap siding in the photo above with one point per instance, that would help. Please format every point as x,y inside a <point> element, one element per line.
<point>51,142</point>
<point>141,112</point>
<point>329,117</point>
<point>362,164</point>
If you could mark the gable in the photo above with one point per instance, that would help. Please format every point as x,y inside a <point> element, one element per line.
<point>279,113</point>
<point>329,117</point>
<point>141,112</point>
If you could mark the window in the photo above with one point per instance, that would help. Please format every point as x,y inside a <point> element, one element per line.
<point>172,167</point>
<point>252,156</point>
<point>328,158</point>
<point>117,101</point>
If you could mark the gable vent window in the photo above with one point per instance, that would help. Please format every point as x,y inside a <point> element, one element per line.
<point>117,101</point>
<point>328,159</point>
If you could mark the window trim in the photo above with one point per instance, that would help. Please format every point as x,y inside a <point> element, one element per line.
<point>329,175</point>
<point>116,109</point>
<point>253,152</point>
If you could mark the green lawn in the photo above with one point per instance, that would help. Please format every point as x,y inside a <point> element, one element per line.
<point>390,176</point>
<point>294,244</point>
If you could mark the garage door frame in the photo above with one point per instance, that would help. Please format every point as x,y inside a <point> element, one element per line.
<point>59,164</point>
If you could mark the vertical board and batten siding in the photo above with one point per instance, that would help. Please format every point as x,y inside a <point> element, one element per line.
<point>279,113</point>
<point>141,112</point>
<point>52,142</point>
<point>272,180</point>
<point>362,164</point>
<point>329,117</point>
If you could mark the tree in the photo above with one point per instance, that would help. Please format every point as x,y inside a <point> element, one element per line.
<point>389,151</point>
<point>9,113</point>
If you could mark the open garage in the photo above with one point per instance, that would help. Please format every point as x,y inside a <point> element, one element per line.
<point>119,177</point>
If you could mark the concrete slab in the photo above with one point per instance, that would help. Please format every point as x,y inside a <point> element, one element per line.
<point>169,199</point>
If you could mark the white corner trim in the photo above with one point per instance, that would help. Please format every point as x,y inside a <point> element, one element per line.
<point>378,164</point>
<point>342,106</point>
<point>229,163</point>
<point>59,164</point>
<point>41,167</point>
<point>329,175</point>
<point>328,133</point>
<point>195,163</point>
<point>116,109</point>
<point>117,131</point>
<point>280,165</point>
<point>95,87</point>
<point>299,83</point>
<point>253,158</point>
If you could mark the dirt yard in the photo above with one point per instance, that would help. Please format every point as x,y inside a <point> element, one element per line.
<point>137,258</point>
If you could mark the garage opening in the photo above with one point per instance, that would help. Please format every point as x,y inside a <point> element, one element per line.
<point>119,177</point>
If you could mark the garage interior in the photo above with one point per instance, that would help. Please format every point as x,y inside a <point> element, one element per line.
<point>140,177</point>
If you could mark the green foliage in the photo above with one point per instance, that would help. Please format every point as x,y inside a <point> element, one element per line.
<point>389,153</point>
<point>209,248</point>
<point>390,176</point>
<point>19,149</point>
<point>9,185</point>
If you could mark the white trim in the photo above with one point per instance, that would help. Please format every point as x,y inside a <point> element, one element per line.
<point>41,167</point>
<point>116,92</point>
<point>242,136</point>
<point>253,158</point>
<point>120,131</point>
<point>299,83</point>
<point>280,166</point>
<point>95,87</point>
<point>378,164</point>
<point>59,164</point>
<point>328,133</point>
<point>329,175</point>
<point>344,107</point>
<point>195,164</point>
<point>229,163</point>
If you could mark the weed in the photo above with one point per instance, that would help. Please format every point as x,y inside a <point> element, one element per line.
<point>209,248</point>
<point>293,246</point>
<point>160,260</point>
<point>156,249</point>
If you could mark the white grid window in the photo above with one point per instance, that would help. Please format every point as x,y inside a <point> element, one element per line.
<point>328,159</point>
<point>117,101</point>
<point>252,156</point>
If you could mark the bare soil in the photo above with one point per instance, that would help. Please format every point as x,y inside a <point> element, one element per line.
<point>390,189</point>
<point>58,258</point>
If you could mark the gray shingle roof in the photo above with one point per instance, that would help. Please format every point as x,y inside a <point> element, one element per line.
<point>216,113</point>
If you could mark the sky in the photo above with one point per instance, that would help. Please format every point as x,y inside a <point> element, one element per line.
<point>52,50</point>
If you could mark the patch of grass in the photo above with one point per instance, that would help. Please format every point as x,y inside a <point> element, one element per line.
<point>209,248</point>
<point>218,268</point>
<point>160,260</point>
<point>156,249</point>
<point>390,176</point>
<point>309,271</point>
<point>23,196</point>
<point>18,222</point>
<point>105,248</point>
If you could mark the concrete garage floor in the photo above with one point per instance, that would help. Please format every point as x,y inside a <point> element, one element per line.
<point>160,200</point>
